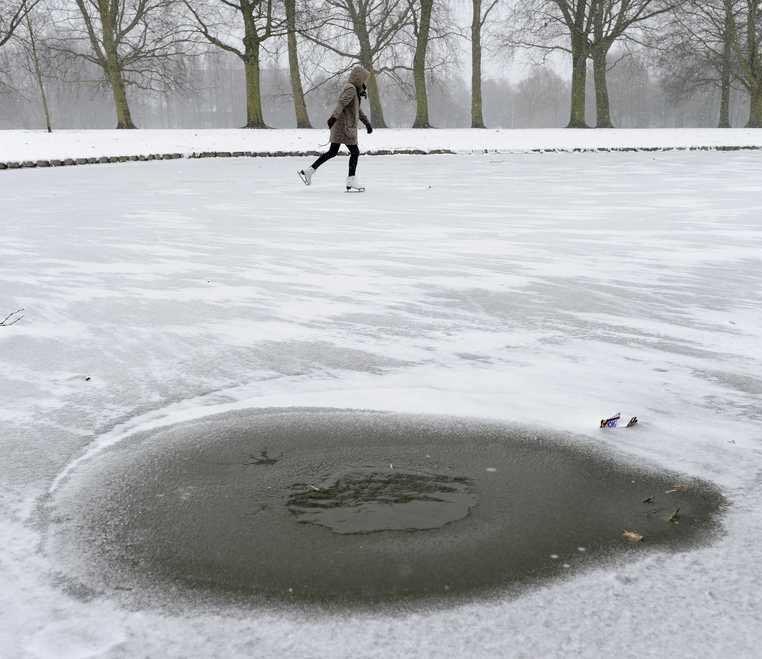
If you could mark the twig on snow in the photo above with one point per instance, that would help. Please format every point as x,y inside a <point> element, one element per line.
<point>12,318</point>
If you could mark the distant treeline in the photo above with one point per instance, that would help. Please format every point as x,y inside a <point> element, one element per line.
<point>278,63</point>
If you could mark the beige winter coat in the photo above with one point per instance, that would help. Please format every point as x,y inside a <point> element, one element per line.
<point>348,111</point>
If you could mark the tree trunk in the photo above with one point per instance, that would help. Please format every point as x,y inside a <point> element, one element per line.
<point>376,109</point>
<point>755,68</point>
<point>38,74</point>
<point>477,116</point>
<point>755,110</point>
<point>114,68</point>
<point>254,115</point>
<point>300,107</point>
<point>579,80</point>
<point>725,98</point>
<point>419,66</point>
<point>725,74</point>
<point>123,115</point>
<point>602,104</point>
<point>366,59</point>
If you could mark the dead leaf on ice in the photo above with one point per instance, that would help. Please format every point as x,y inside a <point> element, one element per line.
<point>677,488</point>
<point>632,536</point>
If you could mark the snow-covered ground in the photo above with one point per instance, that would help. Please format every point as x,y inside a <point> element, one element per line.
<point>546,289</point>
<point>20,145</point>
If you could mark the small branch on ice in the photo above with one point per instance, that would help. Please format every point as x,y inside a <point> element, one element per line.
<point>12,318</point>
<point>263,459</point>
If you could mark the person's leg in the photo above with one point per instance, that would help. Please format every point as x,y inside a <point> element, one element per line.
<point>306,174</point>
<point>331,153</point>
<point>354,156</point>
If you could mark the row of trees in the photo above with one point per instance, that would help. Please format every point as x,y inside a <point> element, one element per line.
<point>538,99</point>
<point>719,45</point>
<point>150,45</point>
<point>699,42</point>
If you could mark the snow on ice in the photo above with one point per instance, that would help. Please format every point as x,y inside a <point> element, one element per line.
<point>542,289</point>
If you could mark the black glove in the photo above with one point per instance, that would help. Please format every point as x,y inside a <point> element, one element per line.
<point>368,127</point>
<point>331,121</point>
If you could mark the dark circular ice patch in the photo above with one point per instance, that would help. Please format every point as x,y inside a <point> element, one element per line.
<point>368,500</point>
<point>344,507</point>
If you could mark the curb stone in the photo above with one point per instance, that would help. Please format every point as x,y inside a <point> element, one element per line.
<point>195,155</point>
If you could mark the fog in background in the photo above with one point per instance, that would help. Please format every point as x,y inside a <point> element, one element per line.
<point>522,86</point>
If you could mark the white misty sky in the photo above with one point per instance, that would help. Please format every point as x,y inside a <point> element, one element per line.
<point>496,62</point>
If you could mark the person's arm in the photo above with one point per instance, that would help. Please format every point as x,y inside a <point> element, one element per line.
<point>345,98</point>
<point>366,121</point>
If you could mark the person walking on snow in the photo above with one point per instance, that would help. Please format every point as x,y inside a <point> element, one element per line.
<point>343,125</point>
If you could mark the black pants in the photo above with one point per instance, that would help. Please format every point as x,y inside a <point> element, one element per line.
<point>354,155</point>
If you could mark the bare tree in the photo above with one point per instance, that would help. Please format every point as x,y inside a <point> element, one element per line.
<point>613,20</point>
<point>421,11</point>
<point>368,31</point>
<point>300,107</point>
<point>558,25</point>
<point>257,22</point>
<point>540,99</point>
<point>695,50</point>
<point>746,37</point>
<point>726,61</point>
<point>433,48</point>
<point>27,58</point>
<point>35,65</point>
<point>585,29</point>
<point>132,42</point>
<point>480,14</point>
<point>12,16</point>
<point>577,17</point>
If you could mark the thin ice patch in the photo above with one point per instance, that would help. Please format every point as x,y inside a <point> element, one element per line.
<point>367,501</point>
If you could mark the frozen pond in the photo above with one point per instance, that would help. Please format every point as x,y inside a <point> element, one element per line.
<point>547,290</point>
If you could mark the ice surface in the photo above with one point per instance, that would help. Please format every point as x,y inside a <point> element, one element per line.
<point>20,145</point>
<point>547,289</point>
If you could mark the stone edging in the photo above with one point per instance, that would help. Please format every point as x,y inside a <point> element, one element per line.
<point>29,164</point>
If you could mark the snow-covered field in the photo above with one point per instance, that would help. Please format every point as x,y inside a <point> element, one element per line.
<point>20,145</point>
<point>546,289</point>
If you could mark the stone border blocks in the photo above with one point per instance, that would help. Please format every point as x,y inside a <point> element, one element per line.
<point>69,162</point>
